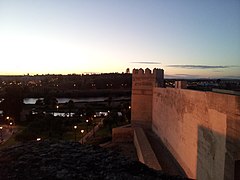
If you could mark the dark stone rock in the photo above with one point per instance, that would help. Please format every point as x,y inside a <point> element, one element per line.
<point>70,160</point>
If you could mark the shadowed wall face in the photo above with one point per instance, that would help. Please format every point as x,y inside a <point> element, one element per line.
<point>210,154</point>
<point>198,128</point>
<point>237,170</point>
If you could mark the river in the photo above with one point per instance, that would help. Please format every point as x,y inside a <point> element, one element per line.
<point>65,100</point>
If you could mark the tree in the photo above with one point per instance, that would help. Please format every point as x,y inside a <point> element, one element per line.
<point>89,111</point>
<point>109,101</point>
<point>50,101</point>
<point>71,106</point>
<point>39,102</point>
<point>111,120</point>
<point>13,102</point>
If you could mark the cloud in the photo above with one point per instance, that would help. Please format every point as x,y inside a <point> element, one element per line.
<point>190,76</point>
<point>200,66</point>
<point>217,71</point>
<point>146,62</point>
<point>230,77</point>
<point>182,76</point>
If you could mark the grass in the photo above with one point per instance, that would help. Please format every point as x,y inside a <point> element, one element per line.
<point>103,132</point>
<point>102,135</point>
<point>70,136</point>
<point>11,141</point>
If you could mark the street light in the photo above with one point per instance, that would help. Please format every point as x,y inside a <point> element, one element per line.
<point>75,129</point>
<point>87,124</point>
<point>1,128</point>
<point>38,139</point>
<point>57,110</point>
<point>82,131</point>
<point>10,126</point>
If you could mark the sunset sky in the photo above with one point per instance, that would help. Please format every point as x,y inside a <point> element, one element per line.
<point>184,37</point>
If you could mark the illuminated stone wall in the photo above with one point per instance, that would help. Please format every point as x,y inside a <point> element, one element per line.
<point>142,88</point>
<point>201,130</point>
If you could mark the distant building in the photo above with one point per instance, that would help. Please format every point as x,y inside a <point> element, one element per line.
<point>181,84</point>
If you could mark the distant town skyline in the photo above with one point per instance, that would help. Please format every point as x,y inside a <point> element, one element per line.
<point>188,39</point>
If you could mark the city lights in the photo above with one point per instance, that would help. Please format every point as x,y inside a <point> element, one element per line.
<point>82,131</point>
<point>75,132</point>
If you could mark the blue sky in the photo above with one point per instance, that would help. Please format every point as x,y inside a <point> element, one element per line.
<point>186,38</point>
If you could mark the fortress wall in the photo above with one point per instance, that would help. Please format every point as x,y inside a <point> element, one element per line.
<point>122,134</point>
<point>198,128</point>
<point>142,86</point>
<point>233,141</point>
<point>142,101</point>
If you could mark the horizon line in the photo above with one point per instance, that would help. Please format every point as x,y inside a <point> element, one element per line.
<point>166,76</point>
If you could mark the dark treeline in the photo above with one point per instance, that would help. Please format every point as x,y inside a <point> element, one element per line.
<point>112,84</point>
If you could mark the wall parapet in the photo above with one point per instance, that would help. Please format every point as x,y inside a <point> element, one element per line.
<point>144,149</point>
<point>122,134</point>
<point>147,71</point>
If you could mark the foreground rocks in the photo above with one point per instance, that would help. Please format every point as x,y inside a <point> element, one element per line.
<point>70,160</point>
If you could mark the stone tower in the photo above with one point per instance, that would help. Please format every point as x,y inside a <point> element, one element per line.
<point>142,91</point>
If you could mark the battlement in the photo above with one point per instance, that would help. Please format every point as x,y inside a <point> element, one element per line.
<point>147,72</point>
<point>147,78</point>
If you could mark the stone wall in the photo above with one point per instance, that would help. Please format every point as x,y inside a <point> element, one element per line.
<point>198,128</point>
<point>142,86</point>
<point>144,150</point>
<point>122,134</point>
